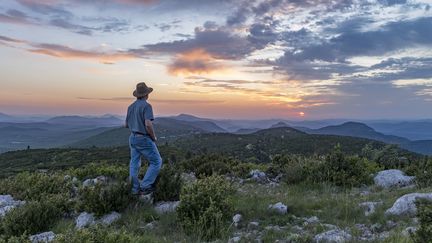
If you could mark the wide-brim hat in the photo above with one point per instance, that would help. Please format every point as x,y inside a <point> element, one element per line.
<point>142,90</point>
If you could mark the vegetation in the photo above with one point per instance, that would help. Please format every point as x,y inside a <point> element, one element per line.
<point>169,184</point>
<point>101,199</point>
<point>205,207</point>
<point>424,213</point>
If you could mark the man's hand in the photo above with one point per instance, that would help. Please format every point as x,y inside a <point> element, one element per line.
<point>150,130</point>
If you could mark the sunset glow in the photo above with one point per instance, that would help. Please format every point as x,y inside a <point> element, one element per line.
<point>259,59</point>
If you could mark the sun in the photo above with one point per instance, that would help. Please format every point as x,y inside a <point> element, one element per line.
<point>301,114</point>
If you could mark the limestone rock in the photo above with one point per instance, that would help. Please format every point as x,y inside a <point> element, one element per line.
<point>279,207</point>
<point>333,236</point>
<point>84,220</point>
<point>405,205</point>
<point>166,207</point>
<point>43,237</point>
<point>108,219</point>
<point>393,179</point>
<point>236,219</point>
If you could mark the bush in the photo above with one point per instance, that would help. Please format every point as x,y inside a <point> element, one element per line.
<point>424,213</point>
<point>423,172</point>
<point>33,217</point>
<point>15,239</point>
<point>95,234</point>
<point>204,207</point>
<point>169,184</point>
<point>120,172</point>
<point>34,186</point>
<point>212,168</point>
<point>197,164</point>
<point>101,199</point>
<point>343,171</point>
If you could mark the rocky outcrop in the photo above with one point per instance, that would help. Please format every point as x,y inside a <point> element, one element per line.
<point>109,219</point>
<point>97,180</point>
<point>258,176</point>
<point>166,207</point>
<point>393,179</point>
<point>333,236</point>
<point>405,205</point>
<point>279,208</point>
<point>7,203</point>
<point>43,237</point>
<point>84,220</point>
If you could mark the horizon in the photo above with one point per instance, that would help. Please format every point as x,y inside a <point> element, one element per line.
<point>224,59</point>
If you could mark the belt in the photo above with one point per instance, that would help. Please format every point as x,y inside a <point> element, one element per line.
<point>139,133</point>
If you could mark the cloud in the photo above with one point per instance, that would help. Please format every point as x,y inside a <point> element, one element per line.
<point>8,39</point>
<point>13,16</point>
<point>160,101</point>
<point>193,62</point>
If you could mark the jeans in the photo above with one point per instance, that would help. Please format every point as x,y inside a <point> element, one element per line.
<point>143,146</point>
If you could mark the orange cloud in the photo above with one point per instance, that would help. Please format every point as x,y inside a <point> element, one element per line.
<point>194,62</point>
<point>70,53</point>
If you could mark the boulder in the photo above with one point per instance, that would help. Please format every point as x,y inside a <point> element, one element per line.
<point>108,219</point>
<point>333,236</point>
<point>166,207</point>
<point>7,203</point>
<point>369,207</point>
<point>405,205</point>
<point>43,237</point>
<point>279,207</point>
<point>393,179</point>
<point>258,176</point>
<point>84,220</point>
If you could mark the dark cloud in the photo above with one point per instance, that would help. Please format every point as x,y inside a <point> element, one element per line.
<point>13,16</point>
<point>219,43</point>
<point>80,29</point>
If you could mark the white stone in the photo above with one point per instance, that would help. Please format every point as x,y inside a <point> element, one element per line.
<point>258,176</point>
<point>312,220</point>
<point>279,208</point>
<point>234,239</point>
<point>84,220</point>
<point>236,219</point>
<point>150,226</point>
<point>108,219</point>
<point>405,205</point>
<point>166,207</point>
<point>7,203</point>
<point>393,178</point>
<point>43,237</point>
<point>88,182</point>
<point>369,207</point>
<point>333,236</point>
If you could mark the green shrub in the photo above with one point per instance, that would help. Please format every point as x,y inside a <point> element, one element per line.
<point>169,184</point>
<point>424,214</point>
<point>34,186</point>
<point>33,217</point>
<point>15,239</point>
<point>205,208</point>
<point>343,171</point>
<point>93,170</point>
<point>96,234</point>
<point>101,199</point>
<point>423,172</point>
<point>197,163</point>
<point>212,168</point>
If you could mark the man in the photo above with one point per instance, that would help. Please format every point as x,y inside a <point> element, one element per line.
<point>142,141</point>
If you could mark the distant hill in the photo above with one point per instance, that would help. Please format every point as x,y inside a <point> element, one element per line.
<point>279,124</point>
<point>6,118</point>
<point>413,130</point>
<point>266,143</point>
<point>86,121</point>
<point>356,129</point>
<point>247,130</point>
<point>167,129</point>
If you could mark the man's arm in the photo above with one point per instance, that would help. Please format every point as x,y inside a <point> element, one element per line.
<point>150,130</point>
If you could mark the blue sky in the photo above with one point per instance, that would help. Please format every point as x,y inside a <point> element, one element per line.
<point>236,59</point>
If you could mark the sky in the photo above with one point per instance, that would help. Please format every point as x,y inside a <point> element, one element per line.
<point>248,59</point>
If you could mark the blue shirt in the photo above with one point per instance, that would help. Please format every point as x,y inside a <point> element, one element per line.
<point>137,113</point>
